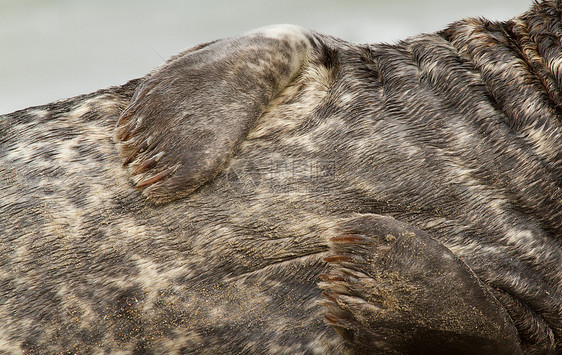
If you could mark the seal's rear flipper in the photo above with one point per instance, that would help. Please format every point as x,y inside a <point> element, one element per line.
<point>188,117</point>
<point>393,289</point>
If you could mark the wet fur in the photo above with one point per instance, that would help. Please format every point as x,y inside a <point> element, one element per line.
<point>457,133</point>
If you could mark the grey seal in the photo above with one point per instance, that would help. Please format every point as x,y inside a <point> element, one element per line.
<point>285,191</point>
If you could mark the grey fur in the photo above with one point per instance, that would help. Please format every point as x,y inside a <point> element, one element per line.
<point>456,137</point>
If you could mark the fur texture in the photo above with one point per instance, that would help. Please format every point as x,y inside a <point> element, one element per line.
<point>455,136</point>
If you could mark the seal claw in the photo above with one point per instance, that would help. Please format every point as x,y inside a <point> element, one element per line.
<point>145,166</point>
<point>139,149</point>
<point>346,277</point>
<point>337,322</point>
<point>340,259</point>
<point>156,178</point>
<point>131,130</point>
<point>349,238</point>
<point>332,277</point>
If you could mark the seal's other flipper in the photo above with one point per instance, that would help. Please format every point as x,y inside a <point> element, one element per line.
<point>188,117</point>
<point>393,289</point>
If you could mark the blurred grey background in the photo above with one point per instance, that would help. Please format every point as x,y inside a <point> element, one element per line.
<point>53,49</point>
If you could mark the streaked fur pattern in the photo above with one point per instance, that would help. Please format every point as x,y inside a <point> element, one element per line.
<point>272,239</point>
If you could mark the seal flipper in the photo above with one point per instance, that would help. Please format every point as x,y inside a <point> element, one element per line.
<point>188,117</point>
<point>393,289</point>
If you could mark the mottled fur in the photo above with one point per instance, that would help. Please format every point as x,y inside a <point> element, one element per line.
<point>455,136</point>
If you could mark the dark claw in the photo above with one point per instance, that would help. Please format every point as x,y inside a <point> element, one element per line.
<point>145,166</point>
<point>344,259</point>
<point>155,178</point>
<point>338,278</point>
<point>331,278</point>
<point>129,132</point>
<point>338,258</point>
<point>349,238</point>
<point>337,322</point>
<point>330,295</point>
<point>142,147</point>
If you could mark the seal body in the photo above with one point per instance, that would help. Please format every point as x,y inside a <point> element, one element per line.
<point>384,198</point>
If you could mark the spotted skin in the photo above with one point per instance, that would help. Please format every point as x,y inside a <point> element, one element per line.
<point>454,137</point>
